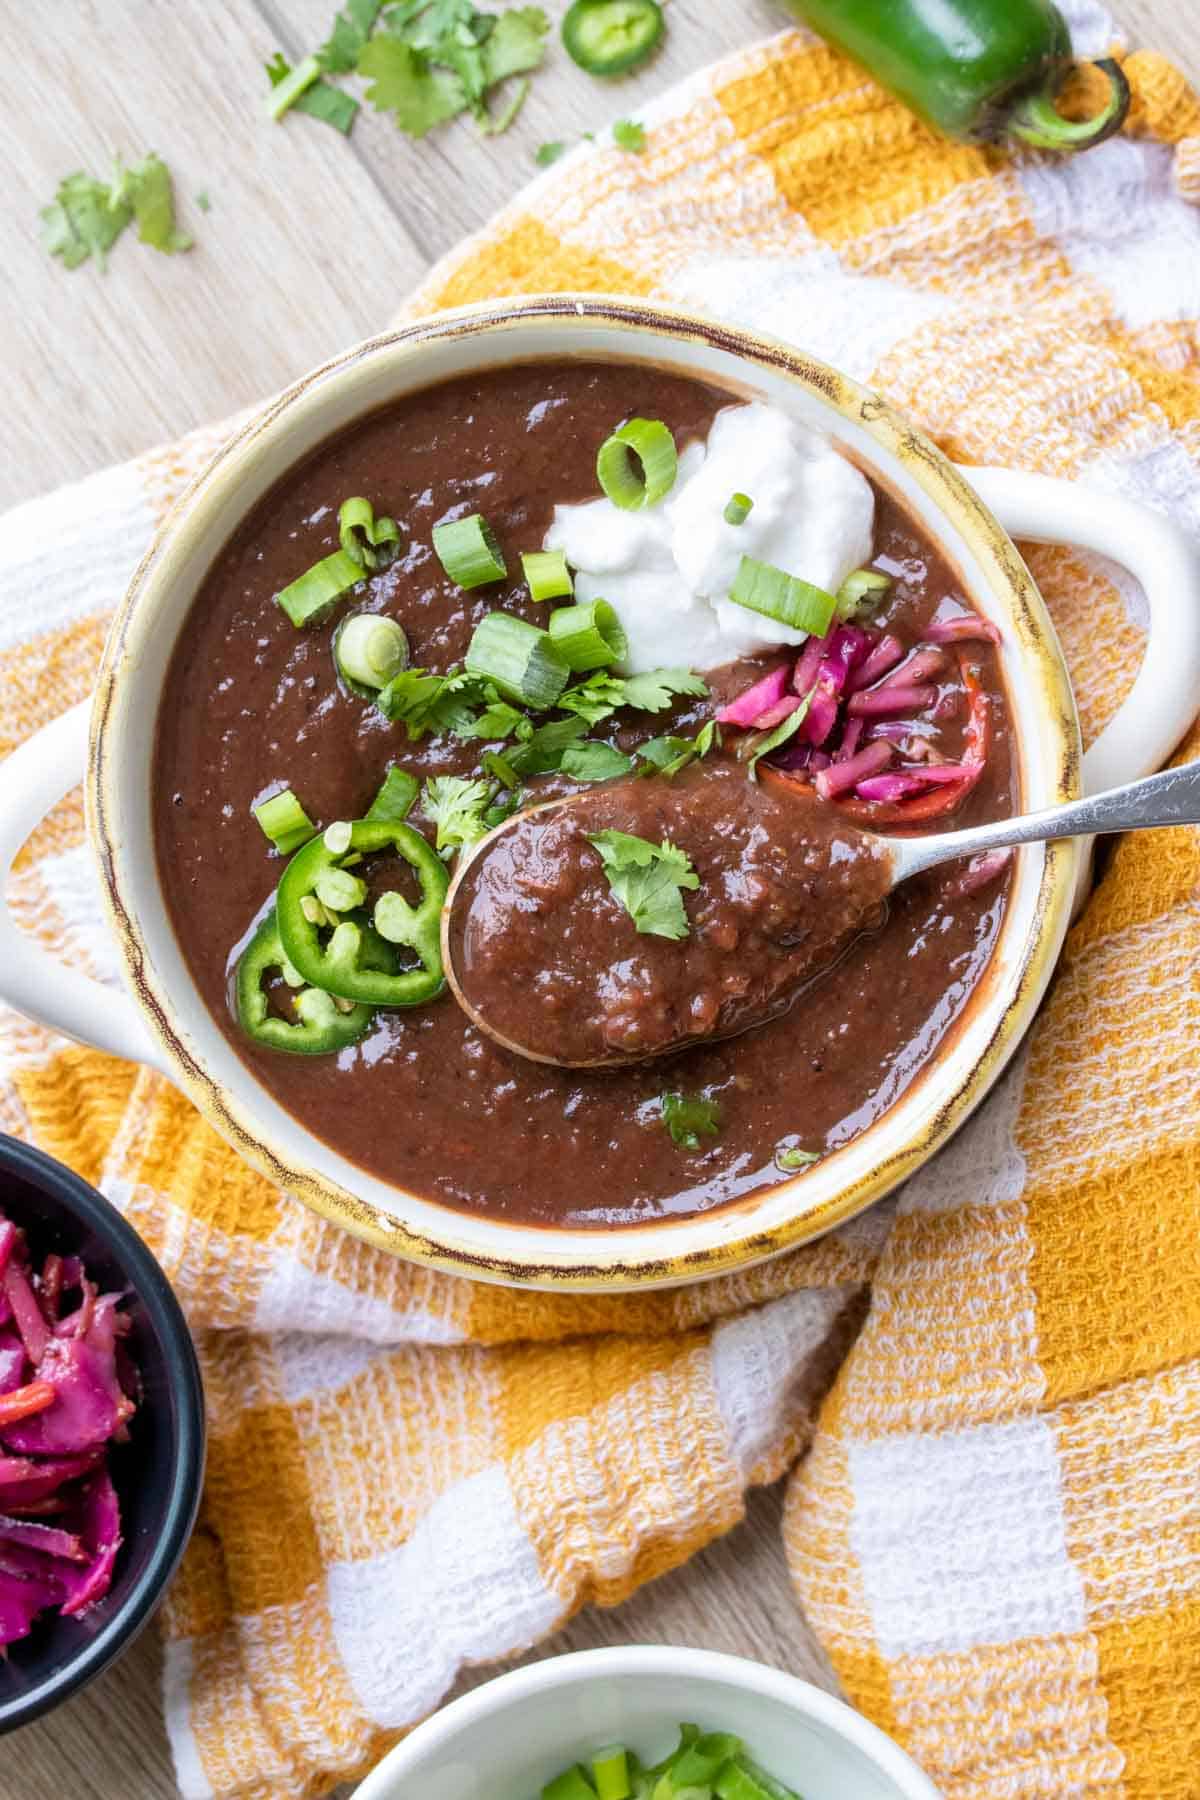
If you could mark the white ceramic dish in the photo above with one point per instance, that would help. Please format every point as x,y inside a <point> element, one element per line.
<point>164,1021</point>
<point>507,1739</point>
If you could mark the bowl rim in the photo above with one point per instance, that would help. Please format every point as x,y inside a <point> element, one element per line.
<point>639,1661</point>
<point>85,1203</point>
<point>456,1241</point>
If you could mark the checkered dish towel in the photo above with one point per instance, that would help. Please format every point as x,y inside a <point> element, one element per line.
<point>993,1518</point>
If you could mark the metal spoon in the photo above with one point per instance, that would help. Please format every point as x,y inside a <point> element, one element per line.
<point>1169,798</point>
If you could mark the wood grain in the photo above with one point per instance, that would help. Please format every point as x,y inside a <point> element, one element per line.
<point>311,242</point>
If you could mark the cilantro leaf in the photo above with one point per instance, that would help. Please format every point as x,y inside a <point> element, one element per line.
<point>422,702</point>
<point>790,1156</point>
<point>203,201</point>
<point>594,699</point>
<point>497,721</point>
<point>629,135</point>
<point>648,880</point>
<point>594,762</point>
<point>544,748</point>
<point>548,153</point>
<point>456,806</point>
<point>516,44</point>
<point>340,52</point>
<point>146,187</point>
<point>320,100</point>
<point>83,220</point>
<point>687,1116</point>
<point>654,691</point>
<point>668,755</point>
<point>420,93</point>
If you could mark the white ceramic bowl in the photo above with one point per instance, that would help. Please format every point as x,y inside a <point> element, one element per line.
<point>504,1741</point>
<point>165,1022</point>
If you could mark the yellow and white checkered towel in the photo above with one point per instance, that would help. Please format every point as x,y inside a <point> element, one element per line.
<point>996,1527</point>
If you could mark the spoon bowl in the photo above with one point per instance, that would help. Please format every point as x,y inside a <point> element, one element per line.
<point>538,965</point>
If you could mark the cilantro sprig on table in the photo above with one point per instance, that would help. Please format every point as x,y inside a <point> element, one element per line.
<point>648,879</point>
<point>426,61</point>
<point>87,215</point>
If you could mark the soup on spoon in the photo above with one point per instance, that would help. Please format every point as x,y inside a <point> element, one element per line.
<point>647,915</point>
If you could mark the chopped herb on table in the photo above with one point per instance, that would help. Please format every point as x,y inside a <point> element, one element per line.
<point>689,1117</point>
<point>545,154</point>
<point>648,879</point>
<point>629,135</point>
<point>87,216</point>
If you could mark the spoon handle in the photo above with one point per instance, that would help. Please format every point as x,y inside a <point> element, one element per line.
<point>1170,798</point>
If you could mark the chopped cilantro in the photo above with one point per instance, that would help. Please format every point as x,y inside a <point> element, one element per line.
<point>502,769</point>
<point>594,762</point>
<point>594,699</point>
<point>421,701</point>
<point>545,154</point>
<point>146,187</point>
<point>88,216</point>
<point>319,99</point>
<point>790,1156</point>
<point>404,82</point>
<point>457,807</point>
<point>648,880</point>
<point>352,27</point>
<point>689,1116</point>
<point>655,690</point>
<point>498,122</point>
<point>629,135</point>
<point>497,721</point>
<point>601,694</point>
<point>203,201</point>
<point>544,748</point>
<point>437,58</point>
<point>668,755</point>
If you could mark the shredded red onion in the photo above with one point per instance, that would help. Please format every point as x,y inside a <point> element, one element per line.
<point>885,703</point>
<point>840,778</point>
<point>884,656</point>
<point>979,872</point>
<point>807,664</point>
<point>775,715</point>
<point>850,738</point>
<point>922,665</point>
<point>747,708</point>
<point>915,781</point>
<point>962,628</point>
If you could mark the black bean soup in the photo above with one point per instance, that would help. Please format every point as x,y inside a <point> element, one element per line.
<point>415,1093</point>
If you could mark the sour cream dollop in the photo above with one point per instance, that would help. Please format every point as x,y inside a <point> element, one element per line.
<point>667,571</point>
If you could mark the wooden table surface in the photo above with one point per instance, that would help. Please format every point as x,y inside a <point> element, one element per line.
<point>310,243</point>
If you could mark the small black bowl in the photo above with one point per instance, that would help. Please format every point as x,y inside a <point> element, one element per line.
<point>157,1475</point>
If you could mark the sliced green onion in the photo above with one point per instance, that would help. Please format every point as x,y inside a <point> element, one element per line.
<point>369,649</point>
<point>337,837</point>
<point>313,595</point>
<point>762,588</point>
<point>588,636</point>
<point>861,592</point>
<point>764,742</point>
<point>285,822</point>
<point>737,1783</point>
<point>547,573</point>
<point>338,891</point>
<point>468,551</point>
<point>397,796</point>
<point>648,444</point>
<point>519,658</point>
<point>286,92</point>
<point>610,1772</point>
<point>370,541</point>
<point>572,1784</point>
<point>738,508</point>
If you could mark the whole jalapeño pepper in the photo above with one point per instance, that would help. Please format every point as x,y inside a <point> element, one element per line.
<point>973,69</point>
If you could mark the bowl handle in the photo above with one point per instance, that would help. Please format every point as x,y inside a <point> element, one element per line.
<point>1166,694</point>
<point>32,780</point>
